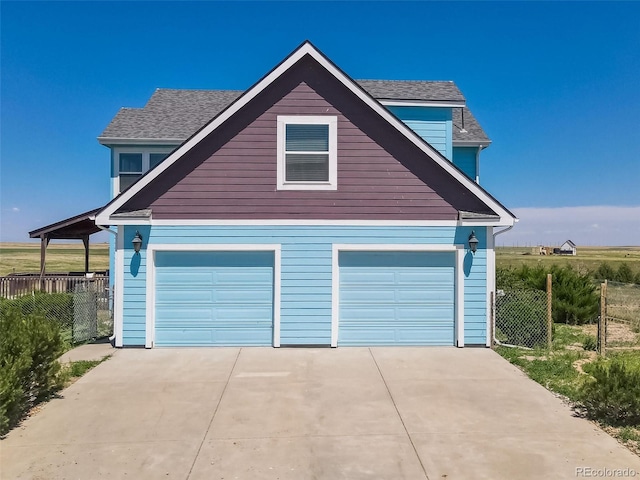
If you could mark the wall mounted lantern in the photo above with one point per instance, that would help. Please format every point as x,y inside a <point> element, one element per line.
<point>137,242</point>
<point>473,242</point>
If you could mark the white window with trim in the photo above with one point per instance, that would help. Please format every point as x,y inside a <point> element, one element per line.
<point>307,152</point>
<point>131,163</point>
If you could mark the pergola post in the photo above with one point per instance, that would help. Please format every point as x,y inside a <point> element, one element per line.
<point>85,240</point>
<point>44,242</point>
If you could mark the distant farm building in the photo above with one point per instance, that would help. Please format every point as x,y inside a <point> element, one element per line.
<point>567,248</point>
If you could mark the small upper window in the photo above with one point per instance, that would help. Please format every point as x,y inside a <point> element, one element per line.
<point>130,168</point>
<point>132,163</point>
<point>307,153</point>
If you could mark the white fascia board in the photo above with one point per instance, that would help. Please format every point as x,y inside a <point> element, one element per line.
<point>115,141</point>
<point>422,103</point>
<point>307,49</point>
<point>104,220</point>
<point>307,223</point>
<point>471,143</point>
<point>319,222</point>
<point>503,222</point>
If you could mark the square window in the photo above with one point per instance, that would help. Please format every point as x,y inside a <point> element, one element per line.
<point>127,179</point>
<point>307,153</point>
<point>130,163</point>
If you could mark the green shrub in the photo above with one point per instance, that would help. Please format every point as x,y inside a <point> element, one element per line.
<point>57,307</point>
<point>29,371</point>
<point>624,274</point>
<point>604,272</point>
<point>575,300</point>
<point>614,394</point>
<point>521,318</point>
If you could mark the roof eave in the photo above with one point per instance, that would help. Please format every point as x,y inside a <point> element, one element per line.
<point>472,143</point>
<point>108,141</point>
<point>394,102</point>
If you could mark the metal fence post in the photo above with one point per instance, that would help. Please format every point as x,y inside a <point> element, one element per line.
<point>549,311</point>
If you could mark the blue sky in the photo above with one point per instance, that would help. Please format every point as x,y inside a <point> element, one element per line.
<point>555,86</point>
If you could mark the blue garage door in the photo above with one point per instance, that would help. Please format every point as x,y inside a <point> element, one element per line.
<point>214,298</point>
<point>397,298</point>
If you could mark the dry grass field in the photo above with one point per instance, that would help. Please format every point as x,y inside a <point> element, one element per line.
<point>587,259</point>
<point>61,257</point>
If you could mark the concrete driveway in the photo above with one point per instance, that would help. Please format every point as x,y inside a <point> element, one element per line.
<point>346,413</point>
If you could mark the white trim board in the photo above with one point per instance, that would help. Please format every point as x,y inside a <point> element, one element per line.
<point>310,222</point>
<point>151,250</point>
<point>332,122</point>
<point>459,279</point>
<point>118,289</point>
<point>422,103</point>
<point>307,49</point>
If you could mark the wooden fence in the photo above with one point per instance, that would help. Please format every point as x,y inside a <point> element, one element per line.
<point>13,286</point>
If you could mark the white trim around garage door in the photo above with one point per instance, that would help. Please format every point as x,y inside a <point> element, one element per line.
<point>118,286</point>
<point>459,279</point>
<point>151,273</point>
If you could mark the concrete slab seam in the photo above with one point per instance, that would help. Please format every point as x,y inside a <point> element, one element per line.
<point>215,410</point>
<point>415,450</point>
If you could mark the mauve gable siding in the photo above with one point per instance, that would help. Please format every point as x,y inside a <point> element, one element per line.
<point>232,173</point>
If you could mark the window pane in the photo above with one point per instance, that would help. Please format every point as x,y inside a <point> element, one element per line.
<point>307,138</point>
<point>127,179</point>
<point>156,158</point>
<point>131,162</point>
<point>307,167</point>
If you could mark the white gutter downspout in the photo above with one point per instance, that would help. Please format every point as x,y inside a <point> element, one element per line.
<point>493,320</point>
<point>112,338</point>
<point>478,167</point>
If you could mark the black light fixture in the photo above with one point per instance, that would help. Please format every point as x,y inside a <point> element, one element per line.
<point>137,242</point>
<point>473,242</point>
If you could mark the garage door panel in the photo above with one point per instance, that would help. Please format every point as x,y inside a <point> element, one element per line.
<point>389,298</point>
<point>214,298</point>
<point>168,296</point>
<point>178,277</point>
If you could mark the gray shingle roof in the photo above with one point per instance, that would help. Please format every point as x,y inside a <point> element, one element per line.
<point>172,114</point>
<point>474,133</point>
<point>417,90</point>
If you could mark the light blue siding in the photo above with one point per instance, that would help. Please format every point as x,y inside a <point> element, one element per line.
<point>465,159</point>
<point>397,298</point>
<point>214,298</point>
<point>433,124</point>
<point>306,271</point>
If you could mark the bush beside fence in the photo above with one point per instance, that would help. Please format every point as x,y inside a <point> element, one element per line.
<point>521,318</point>
<point>82,314</point>
<point>30,345</point>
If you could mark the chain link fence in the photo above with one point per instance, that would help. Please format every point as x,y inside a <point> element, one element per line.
<point>620,329</point>
<point>83,311</point>
<point>521,318</point>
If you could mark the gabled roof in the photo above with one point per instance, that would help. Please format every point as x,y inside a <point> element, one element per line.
<point>570,243</point>
<point>173,115</point>
<point>105,216</point>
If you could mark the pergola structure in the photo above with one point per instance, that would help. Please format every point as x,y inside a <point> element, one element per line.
<point>79,227</point>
